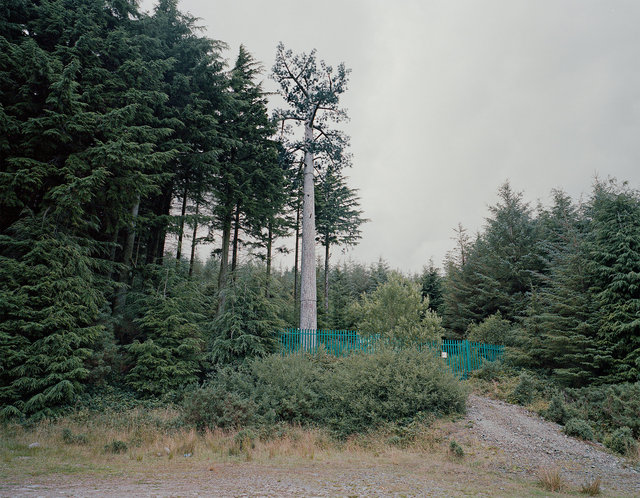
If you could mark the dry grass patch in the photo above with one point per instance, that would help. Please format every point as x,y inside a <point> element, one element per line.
<point>591,488</point>
<point>550,479</point>
<point>130,440</point>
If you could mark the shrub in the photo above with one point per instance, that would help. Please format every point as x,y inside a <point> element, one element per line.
<point>490,370</point>
<point>455,450</point>
<point>70,438</point>
<point>224,402</point>
<point>621,441</point>
<point>493,330</point>
<point>353,394</point>
<point>364,391</point>
<point>244,440</point>
<point>116,447</point>
<point>609,407</point>
<point>525,390</point>
<point>557,411</point>
<point>578,428</point>
<point>397,310</point>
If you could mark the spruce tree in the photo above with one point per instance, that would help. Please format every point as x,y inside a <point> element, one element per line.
<point>50,303</point>
<point>338,218</point>
<point>614,267</point>
<point>168,351</point>
<point>248,324</point>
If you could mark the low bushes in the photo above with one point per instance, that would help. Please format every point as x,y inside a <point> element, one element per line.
<point>577,427</point>
<point>609,407</point>
<point>621,441</point>
<point>347,395</point>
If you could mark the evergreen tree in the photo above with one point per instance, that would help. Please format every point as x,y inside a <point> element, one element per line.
<point>250,184</point>
<point>168,351</point>
<point>312,94</point>
<point>559,333</point>
<point>50,304</point>
<point>614,270</point>
<point>500,269</point>
<point>338,218</point>
<point>432,287</point>
<point>248,324</point>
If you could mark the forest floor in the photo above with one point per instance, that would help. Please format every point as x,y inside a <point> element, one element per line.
<point>506,448</point>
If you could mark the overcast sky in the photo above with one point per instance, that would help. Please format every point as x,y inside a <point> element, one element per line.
<point>449,98</point>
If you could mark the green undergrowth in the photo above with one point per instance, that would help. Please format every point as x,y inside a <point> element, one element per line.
<point>353,394</point>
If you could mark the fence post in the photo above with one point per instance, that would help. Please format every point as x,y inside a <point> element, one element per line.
<point>467,359</point>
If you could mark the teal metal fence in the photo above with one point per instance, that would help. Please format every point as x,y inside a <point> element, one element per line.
<point>461,357</point>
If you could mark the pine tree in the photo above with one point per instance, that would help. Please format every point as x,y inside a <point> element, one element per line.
<point>500,269</point>
<point>312,95</point>
<point>167,354</point>
<point>250,184</point>
<point>432,287</point>
<point>50,304</point>
<point>559,331</point>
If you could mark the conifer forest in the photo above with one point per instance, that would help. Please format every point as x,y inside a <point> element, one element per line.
<point>147,187</point>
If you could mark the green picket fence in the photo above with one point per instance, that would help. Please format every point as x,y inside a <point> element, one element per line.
<point>461,357</point>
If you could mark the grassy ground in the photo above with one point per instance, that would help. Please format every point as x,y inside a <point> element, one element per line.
<point>145,450</point>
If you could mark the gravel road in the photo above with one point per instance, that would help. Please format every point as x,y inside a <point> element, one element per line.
<point>527,443</point>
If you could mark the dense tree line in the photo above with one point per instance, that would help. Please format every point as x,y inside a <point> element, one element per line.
<point>560,285</point>
<point>122,131</point>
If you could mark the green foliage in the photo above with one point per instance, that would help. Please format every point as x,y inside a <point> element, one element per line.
<point>557,411</point>
<point>244,440</point>
<point>247,324</point>
<point>455,450</point>
<point>396,310</point>
<point>614,269</point>
<point>490,370</point>
<point>49,307</point>
<point>338,213</point>
<point>497,271</point>
<point>568,278</point>
<point>525,390</point>
<point>577,427</point>
<point>608,407</point>
<point>348,395</point>
<point>493,330</point>
<point>68,437</point>
<point>621,441</point>
<point>433,287</point>
<point>116,447</point>
<point>168,351</point>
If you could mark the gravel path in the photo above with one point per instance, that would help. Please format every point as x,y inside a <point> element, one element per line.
<point>527,443</point>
